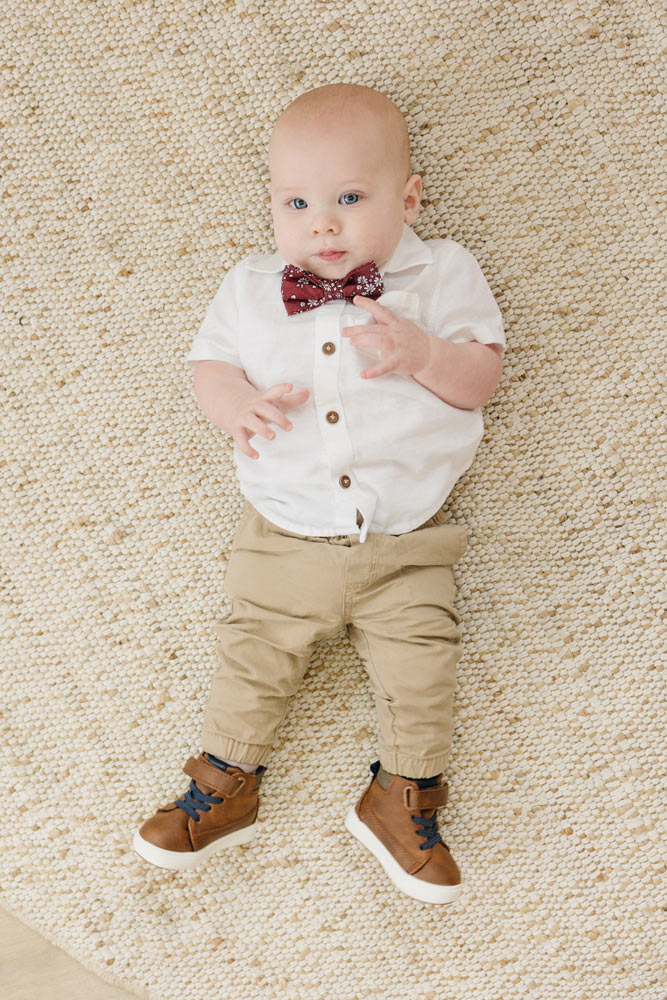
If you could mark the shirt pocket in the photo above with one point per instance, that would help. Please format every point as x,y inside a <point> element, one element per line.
<point>404,304</point>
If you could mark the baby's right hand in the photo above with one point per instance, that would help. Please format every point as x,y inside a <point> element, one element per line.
<point>264,408</point>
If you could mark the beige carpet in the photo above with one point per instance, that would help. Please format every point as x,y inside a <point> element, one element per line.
<point>133,177</point>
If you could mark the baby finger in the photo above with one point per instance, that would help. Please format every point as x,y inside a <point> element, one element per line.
<point>241,439</point>
<point>295,399</point>
<point>273,414</point>
<point>257,426</point>
<point>275,391</point>
<point>383,368</point>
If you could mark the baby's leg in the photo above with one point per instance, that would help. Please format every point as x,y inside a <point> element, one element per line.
<point>263,655</point>
<point>406,631</point>
<point>286,593</point>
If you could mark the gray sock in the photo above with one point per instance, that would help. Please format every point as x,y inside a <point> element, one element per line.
<point>384,778</point>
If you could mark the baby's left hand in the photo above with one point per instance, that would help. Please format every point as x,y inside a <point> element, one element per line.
<point>403,346</point>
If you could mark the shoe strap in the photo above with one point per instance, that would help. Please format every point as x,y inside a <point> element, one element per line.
<point>416,799</point>
<point>209,774</point>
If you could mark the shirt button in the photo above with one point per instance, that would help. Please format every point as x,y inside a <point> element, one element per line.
<point>345,481</point>
<point>332,417</point>
<point>328,348</point>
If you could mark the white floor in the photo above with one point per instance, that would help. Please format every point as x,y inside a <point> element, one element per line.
<point>34,969</point>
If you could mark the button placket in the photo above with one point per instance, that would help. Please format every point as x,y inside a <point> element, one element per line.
<point>336,442</point>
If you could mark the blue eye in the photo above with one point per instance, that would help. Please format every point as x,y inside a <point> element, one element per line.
<point>304,203</point>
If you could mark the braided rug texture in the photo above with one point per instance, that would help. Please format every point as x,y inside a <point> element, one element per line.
<point>133,177</point>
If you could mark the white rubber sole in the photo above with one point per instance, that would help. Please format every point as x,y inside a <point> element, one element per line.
<point>427,892</point>
<point>187,860</point>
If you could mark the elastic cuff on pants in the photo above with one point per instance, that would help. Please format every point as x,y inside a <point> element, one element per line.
<point>410,766</point>
<point>227,747</point>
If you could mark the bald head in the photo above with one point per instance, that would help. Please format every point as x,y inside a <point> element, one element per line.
<point>340,183</point>
<point>347,106</point>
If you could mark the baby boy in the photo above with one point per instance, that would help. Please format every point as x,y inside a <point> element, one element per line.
<point>371,353</point>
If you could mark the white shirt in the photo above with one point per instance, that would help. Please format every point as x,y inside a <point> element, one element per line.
<point>385,446</point>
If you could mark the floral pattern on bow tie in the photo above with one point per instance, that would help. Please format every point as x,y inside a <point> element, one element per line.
<point>302,290</point>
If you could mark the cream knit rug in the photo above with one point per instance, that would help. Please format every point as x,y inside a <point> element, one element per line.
<point>133,177</point>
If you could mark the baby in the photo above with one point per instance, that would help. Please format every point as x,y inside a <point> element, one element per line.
<point>382,348</point>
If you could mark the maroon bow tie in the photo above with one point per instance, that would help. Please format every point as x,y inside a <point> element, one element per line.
<point>303,290</point>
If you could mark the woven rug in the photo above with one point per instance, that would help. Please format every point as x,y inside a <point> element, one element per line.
<point>133,177</point>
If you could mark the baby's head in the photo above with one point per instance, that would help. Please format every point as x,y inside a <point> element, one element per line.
<point>339,164</point>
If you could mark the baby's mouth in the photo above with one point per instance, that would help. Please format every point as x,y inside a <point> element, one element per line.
<point>332,254</point>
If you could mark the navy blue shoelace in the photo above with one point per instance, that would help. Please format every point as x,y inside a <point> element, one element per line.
<point>195,801</point>
<point>427,828</point>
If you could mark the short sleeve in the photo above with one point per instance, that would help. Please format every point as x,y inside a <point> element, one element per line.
<point>465,309</point>
<point>217,338</point>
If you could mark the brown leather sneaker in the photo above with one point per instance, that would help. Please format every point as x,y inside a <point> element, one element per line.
<point>218,811</point>
<point>399,826</point>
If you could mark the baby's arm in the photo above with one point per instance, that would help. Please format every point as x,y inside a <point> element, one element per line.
<point>463,375</point>
<point>230,402</point>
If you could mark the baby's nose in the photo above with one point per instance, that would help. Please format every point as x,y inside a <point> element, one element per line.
<point>325,223</point>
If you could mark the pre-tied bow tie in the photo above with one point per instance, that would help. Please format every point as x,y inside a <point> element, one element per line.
<point>302,290</point>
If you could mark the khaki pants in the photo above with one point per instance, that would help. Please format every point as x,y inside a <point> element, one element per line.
<point>394,594</point>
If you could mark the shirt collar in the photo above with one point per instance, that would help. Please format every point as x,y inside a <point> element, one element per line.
<point>410,252</point>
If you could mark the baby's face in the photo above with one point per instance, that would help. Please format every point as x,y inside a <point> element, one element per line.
<point>341,190</point>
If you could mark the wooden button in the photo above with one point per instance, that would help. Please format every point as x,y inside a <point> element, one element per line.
<point>328,348</point>
<point>345,481</point>
<point>332,417</point>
